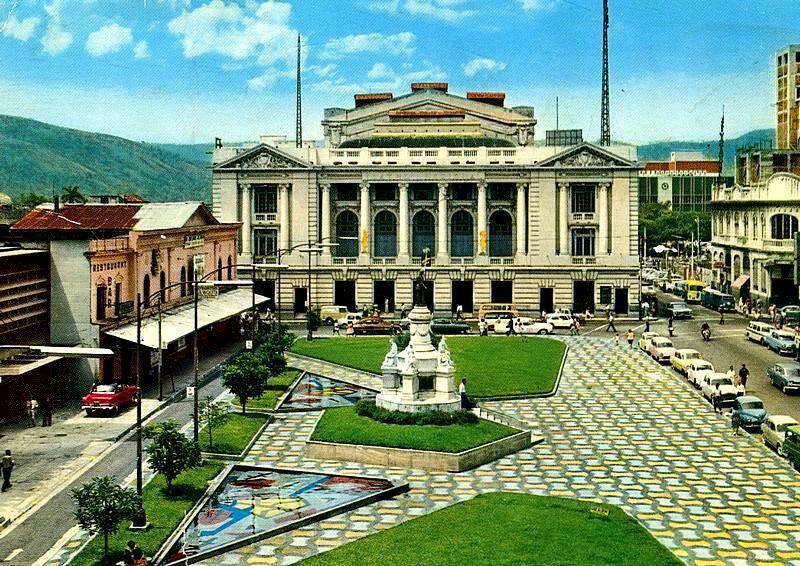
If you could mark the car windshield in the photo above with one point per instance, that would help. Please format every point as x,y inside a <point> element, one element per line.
<point>784,426</point>
<point>109,388</point>
<point>703,366</point>
<point>752,405</point>
<point>663,343</point>
<point>692,355</point>
<point>783,336</point>
<point>721,381</point>
<point>793,372</point>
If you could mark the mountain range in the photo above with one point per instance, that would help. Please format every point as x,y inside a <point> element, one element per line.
<point>42,158</point>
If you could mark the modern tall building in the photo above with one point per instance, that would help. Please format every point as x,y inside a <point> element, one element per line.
<point>787,102</point>
<point>685,181</point>
<point>505,219</point>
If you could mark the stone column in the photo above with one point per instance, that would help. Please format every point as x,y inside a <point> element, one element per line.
<point>441,226</point>
<point>363,223</point>
<point>522,248</point>
<point>285,229</point>
<point>563,218</point>
<point>483,233</point>
<point>602,218</point>
<point>247,222</point>
<point>325,234</point>
<point>403,254</point>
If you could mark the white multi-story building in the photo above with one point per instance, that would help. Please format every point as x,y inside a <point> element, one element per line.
<point>505,219</point>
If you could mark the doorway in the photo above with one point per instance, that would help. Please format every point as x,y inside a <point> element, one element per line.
<point>546,300</point>
<point>383,295</point>
<point>583,296</point>
<point>300,300</point>
<point>502,292</point>
<point>266,288</point>
<point>621,305</point>
<point>344,294</point>
<point>462,295</point>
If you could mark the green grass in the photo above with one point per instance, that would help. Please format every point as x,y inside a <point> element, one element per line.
<point>493,366</point>
<point>345,426</point>
<point>509,528</point>
<point>276,387</point>
<point>163,511</point>
<point>234,435</point>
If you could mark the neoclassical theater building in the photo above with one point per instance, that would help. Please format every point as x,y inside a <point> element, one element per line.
<point>505,219</point>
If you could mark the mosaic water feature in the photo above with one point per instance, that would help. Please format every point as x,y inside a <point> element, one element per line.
<point>255,503</point>
<point>314,391</point>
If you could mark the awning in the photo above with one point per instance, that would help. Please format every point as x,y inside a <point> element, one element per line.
<point>179,322</point>
<point>740,282</point>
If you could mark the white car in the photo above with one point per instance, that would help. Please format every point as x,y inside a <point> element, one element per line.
<point>720,385</point>
<point>525,325</point>
<point>661,349</point>
<point>351,317</point>
<point>644,341</point>
<point>559,320</point>
<point>697,369</point>
<point>774,431</point>
<point>648,290</point>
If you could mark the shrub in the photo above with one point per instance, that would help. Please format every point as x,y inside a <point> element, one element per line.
<point>369,409</point>
<point>402,340</point>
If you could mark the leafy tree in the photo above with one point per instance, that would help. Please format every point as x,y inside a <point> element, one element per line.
<point>213,415</point>
<point>170,452</point>
<point>73,194</point>
<point>245,377</point>
<point>666,226</point>
<point>102,505</point>
<point>313,321</point>
<point>28,200</point>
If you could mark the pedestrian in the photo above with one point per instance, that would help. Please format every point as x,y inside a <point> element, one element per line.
<point>715,399</point>
<point>512,326</point>
<point>459,312</point>
<point>721,316</point>
<point>336,328</point>
<point>616,339</point>
<point>610,326</point>
<point>47,412</point>
<point>781,319</point>
<point>670,326</point>
<point>32,407</point>
<point>349,331</point>
<point>771,311</point>
<point>138,557</point>
<point>647,325</point>
<point>127,556</point>
<point>731,374</point>
<point>645,309</point>
<point>629,336</point>
<point>744,374</point>
<point>7,465</point>
<point>544,315</point>
<point>577,327</point>
<point>462,392</point>
<point>734,422</point>
<point>481,327</point>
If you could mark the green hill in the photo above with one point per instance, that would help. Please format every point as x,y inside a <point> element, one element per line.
<point>42,158</point>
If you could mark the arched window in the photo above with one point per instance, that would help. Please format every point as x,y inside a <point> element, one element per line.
<point>784,226</point>
<point>183,281</point>
<point>162,280</point>
<point>146,291</point>
<point>219,270</point>
<point>500,240</point>
<point>347,234</point>
<point>385,234</point>
<point>230,268</point>
<point>462,239</point>
<point>423,228</point>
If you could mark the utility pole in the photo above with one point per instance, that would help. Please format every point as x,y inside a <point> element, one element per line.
<point>605,127</point>
<point>721,157</point>
<point>299,129</point>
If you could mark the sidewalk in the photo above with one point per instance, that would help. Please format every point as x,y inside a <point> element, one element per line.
<point>47,458</point>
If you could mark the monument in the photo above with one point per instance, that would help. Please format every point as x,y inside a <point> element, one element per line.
<point>420,378</point>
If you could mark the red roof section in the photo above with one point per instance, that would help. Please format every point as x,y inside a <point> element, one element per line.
<point>487,95</point>
<point>708,166</point>
<point>81,217</point>
<point>429,86</point>
<point>426,113</point>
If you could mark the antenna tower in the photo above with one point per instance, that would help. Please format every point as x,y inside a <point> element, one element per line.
<point>299,130</point>
<point>721,156</point>
<point>605,133</point>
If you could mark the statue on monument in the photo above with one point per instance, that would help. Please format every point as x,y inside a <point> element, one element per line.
<point>419,284</point>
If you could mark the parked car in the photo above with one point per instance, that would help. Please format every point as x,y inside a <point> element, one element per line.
<point>774,431</point>
<point>648,290</point>
<point>108,398</point>
<point>758,331</point>
<point>748,412</point>
<point>495,318</point>
<point>661,349</point>
<point>678,309</point>
<point>559,320</point>
<point>696,370</point>
<point>791,313</point>
<point>644,340</point>
<point>791,445</point>
<point>780,341</point>
<point>375,325</point>
<point>351,317</point>
<point>680,360</point>
<point>329,313</point>
<point>449,326</point>
<point>727,391</point>
<point>785,375</point>
<point>526,325</point>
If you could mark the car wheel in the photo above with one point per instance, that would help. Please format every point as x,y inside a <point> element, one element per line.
<point>781,450</point>
<point>329,321</point>
<point>543,331</point>
<point>89,413</point>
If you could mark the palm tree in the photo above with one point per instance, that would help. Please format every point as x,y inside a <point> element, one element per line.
<point>73,195</point>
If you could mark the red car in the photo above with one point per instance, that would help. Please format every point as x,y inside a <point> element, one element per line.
<point>108,397</point>
<point>375,325</point>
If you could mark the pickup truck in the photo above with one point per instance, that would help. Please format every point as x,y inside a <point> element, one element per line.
<point>108,398</point>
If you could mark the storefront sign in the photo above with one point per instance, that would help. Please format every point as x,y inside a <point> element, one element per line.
<point>190,392</point>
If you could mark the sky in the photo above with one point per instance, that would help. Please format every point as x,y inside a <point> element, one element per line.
<point>187,71</point>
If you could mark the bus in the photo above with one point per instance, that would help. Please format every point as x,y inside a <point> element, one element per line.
<point>713,299</point>
<point>694,289</point>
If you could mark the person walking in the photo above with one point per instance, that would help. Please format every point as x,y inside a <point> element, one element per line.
<point>47,412</point>
<point>610,326</point>
<point>647,325</point>
<point>734,422</point>
<point>721,317</point>
<point>31,408</point>
<point>577,324</point>
<point>459,312</point>
<point>715,399</point>
<point>127,556</point>
<point>512,324</point>
<point>336,328</point>
<point>462,392</point>
<point>744,374</point>
<point>481,327</point>
<point>616,339</point>
<point>731,374</point>
<point>6,466</point>
<point>670,326</point>
<point>629,336</point>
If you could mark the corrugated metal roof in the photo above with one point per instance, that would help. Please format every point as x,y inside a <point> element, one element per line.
<point>81,217</point>
<point>165,215</point>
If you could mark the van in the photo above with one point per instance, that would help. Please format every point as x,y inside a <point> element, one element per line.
<point>758,331</point>
<point>329,313</point>
<point>489,309</point>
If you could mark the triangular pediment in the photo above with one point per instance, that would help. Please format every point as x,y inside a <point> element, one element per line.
<point>264,156</point>
<point>585,156</point>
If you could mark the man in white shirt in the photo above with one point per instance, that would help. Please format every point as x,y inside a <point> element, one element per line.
<point>462,392</point>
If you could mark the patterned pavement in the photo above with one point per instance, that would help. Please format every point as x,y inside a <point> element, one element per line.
<point>620,430</point>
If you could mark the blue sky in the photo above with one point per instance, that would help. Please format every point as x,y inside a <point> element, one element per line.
<point>188,70</point>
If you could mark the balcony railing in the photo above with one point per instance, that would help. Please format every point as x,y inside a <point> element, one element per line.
<point>584,261</point>
<point>265,217</point>
<point>787,244</point>
<point>583,216</point>
<point>345,260</point>
<point>109,245</point>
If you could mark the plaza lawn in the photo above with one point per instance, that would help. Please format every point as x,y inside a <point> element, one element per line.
<point>276,387</point>
<point>163,511</point>
<point>345,426</point>
<point>495,366</point>
<point>234,435</point>
<point>508,528</point>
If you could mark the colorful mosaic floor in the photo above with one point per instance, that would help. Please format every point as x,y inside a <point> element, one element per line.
<point>620,429</point>
<point>314,392</point>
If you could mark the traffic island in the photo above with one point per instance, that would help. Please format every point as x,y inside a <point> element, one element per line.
<point>233,439</point>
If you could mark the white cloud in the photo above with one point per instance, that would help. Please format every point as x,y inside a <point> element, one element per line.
<point>397,44</point>
<point>383,79</point>
<point>262,81</point>
<point>445,10</point>
<point>479,64</point>
<point>535,5</point>
<point>380,71</point>
<point>323,70</point>
<point>55,39</point>
<point>141,50</point>
<point>19,29</point>
<point>108,39</point>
